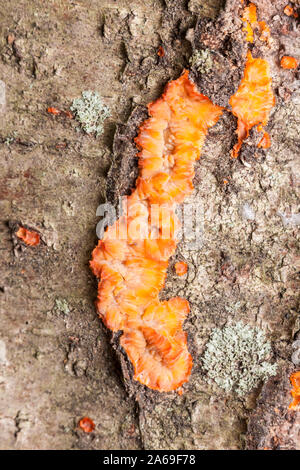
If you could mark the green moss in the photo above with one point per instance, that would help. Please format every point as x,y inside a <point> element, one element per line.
<point>236,358</point>
<point>91,112</point>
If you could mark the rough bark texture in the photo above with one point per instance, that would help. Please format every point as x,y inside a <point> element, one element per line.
<point>56,361</point>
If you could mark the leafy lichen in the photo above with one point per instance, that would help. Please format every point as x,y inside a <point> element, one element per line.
<point>236,358</point>
<point>90,111</point>
<point>201,60</point>
<point>61,306</point>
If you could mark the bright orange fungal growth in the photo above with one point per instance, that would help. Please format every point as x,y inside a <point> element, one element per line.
<point>86,424</point>
<point>289,11</point>
<point>295,392</point>
<point>132,269</point>
<point>250,19</point>
<point>54,111</point>
<point>31,238</point>
<point>265,33</point>
<point>254,99</point>
<point>161,51</point>
<point>181,268</point>
<point>265,142</point>
<point>288,62</point>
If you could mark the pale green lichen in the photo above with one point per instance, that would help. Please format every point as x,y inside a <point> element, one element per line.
<point>236,358</point>
<point>61,306</point>
<point>201,60</point>
<point>91,112</point>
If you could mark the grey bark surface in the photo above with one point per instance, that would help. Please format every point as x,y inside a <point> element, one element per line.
<point>57,363</point>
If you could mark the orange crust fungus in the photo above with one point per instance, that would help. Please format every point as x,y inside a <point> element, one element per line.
<point>86,424</point>
<point>53,110</point>
<point>161,51</point>
<point>181,268</point>
<point>295,392</point>
<point>289,11</point>
<point>288,62</point>
<point>31,238</point>
<point>265,142</point>
<point>253,101</point>
<point>265,33</point>
<point>250,20</point>
<point>132,267</point>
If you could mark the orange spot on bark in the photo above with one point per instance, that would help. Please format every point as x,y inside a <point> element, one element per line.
<point>31,238</point>
<point>132,270</point>
<point>161,51</point>
<point>265,142</point>
<point>61,146</point>
<point>86,424</point>
<point>249,19</point>
<point>265,33</point>
<point>295,392</point>
<point>57,112</point>
<point>289,11</point>
<point>288,62</point>
<point>68,114</point>
<point>181,268</point>
<point>54,111</point>
<point>254,99</point>
<point>10,38</point>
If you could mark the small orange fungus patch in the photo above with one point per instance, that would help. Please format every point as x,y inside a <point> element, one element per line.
<point>57,112</point>
<point>254,99</point>
<point>265,142</point>
<point>86,424</point>
<point>289,11</point>
<point>265,33</point>
<point>132,268</point>
<point>161,51</point>
<point>31,238</point>
<point>54,111</point>
<point>68,114</point>
<point>288,62</point>
<point>295,392</point>
<point>249,19</point>
<point>181,268</point>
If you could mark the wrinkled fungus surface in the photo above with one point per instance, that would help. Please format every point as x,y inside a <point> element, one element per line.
<point>253,101</point>
<point>132,266</point>
<point>295,392</point>
<point>29,237</point>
